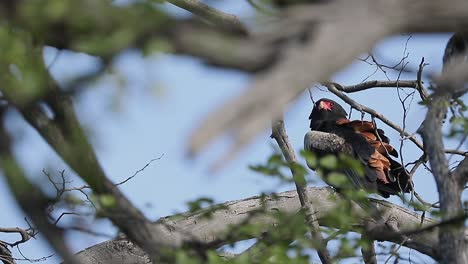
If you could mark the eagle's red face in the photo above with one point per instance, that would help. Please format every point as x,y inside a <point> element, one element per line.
<point>326,105</point>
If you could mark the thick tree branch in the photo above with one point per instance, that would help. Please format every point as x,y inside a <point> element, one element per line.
<point>279,134</point>
<point>417,232</point>
<point>235,213</point>
<point>249,54</point>
<point>450,85</point>
<point>452,240</point>
<point>461,172</point>
<point>30,198</point>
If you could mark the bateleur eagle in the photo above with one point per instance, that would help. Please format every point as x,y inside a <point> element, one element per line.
<point>368,144</point>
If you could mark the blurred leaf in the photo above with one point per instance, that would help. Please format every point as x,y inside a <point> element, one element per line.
<point>329,162</point>
<point>275,160</point>
<point>72,200</point>
<point>106,200</point>
<point>337,179</point>
<point>158,45</point>
<point>183,257</point>
<point>310,157</point>
<point>347,161</point>
<point>200,203</point>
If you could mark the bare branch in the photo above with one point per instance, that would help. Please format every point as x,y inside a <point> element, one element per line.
<point>140,170</point>
<point>25,235</point>
<point>279,134</point>
<point>376,84</point>
<point>420,87</point>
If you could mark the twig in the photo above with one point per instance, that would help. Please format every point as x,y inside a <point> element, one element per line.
<point>421,200</point>
<point>140,170</point>
<point>394,252</point>
<point>261,9</point>
<point>30,259</point>
<point>420,87</point>
<point>417,164</point>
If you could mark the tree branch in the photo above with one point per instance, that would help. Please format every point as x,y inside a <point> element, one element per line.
<point>235,213</point>
<point>5,254</point>
<point>29,197</point>
<point>279,134</point>
<point>211,15</point>
<point>414,231</point>
<point>249,53</point>
<point>450,85</point>
<point>376,84</point>
<point>452,240</point>
<point>25,235</point>
<point>368,252</point>
<point>461,172</point>
<point>422,91</point>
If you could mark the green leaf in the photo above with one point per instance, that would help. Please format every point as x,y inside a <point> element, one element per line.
<point>329,162</point>
<point>275,159</point>
<point>347,161</point>
<point>310,157</point>
<point>106,200</point>
<point>337,179</point>
<point>199,203</point>
<point>158,45</point>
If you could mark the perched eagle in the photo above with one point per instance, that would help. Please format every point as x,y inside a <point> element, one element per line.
<point>367,144</point>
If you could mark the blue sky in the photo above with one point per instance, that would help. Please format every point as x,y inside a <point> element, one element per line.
<point>152,104</point>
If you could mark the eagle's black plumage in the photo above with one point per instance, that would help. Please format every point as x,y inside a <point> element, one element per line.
<point>369,145</point>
